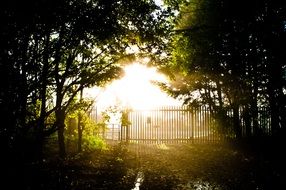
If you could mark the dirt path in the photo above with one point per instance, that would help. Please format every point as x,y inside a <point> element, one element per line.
<point>164,167</point>
<point>206,167</point>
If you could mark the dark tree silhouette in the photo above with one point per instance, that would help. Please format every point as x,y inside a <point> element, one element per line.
<point>229,55</point>
<point>53,49</point>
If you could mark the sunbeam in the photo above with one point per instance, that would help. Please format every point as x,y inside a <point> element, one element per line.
<point>135,90</point>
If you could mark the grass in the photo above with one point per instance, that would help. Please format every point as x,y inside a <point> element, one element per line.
<point>243,165</point>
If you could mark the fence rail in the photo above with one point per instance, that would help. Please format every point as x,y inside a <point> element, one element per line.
<point>177,124</point>
<point>170,124</point>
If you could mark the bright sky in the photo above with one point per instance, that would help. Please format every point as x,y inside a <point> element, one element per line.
<point>159,2</point>
<point>134,90</point>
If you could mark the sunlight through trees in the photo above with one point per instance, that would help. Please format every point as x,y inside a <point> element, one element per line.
<point>137,89</point>
<point>223,59</point>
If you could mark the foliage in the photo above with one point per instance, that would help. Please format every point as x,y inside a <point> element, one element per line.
<point>116,113</point>
<point>92,142</point>
<point>124,118</point>
<point>226,58</point>
<point>82,129</point>
<point>58,48</point>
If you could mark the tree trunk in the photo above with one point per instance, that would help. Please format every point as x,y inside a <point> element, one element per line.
<point>256,129</point>
<point>236,121</point>
<point>60,120</point>
<point>274,110</point>
<point>43,91</point>
<point>79,128</point>
<point>247,121</point>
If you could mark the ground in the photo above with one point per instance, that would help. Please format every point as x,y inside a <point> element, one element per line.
<point>222,166</point>
<point>209,166</point>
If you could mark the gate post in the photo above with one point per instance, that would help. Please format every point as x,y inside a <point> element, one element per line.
<point>125,123</point>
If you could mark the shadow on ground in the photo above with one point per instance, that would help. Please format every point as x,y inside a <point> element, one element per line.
<point>243,165</point>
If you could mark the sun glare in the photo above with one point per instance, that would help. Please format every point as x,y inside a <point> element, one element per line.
<point>136,90</point>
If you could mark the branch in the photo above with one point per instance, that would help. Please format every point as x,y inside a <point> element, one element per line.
<point>193,29</point>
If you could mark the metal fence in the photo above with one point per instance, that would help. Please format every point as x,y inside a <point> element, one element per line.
<point>164,125</point>
<point>170,125</point>
<point>174,125</point>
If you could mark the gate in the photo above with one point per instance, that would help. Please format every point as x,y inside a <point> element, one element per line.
<point>174,124</point>
<point>169,125</point>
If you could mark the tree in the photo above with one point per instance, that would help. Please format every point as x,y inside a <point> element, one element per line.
<point>221,56</point>
<point>62,47</point>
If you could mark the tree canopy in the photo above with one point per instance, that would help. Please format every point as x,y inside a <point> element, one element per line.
<point>231,56</point>
<point>52,50</point>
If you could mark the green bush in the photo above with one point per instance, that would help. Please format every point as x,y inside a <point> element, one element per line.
<point>92,142</point>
